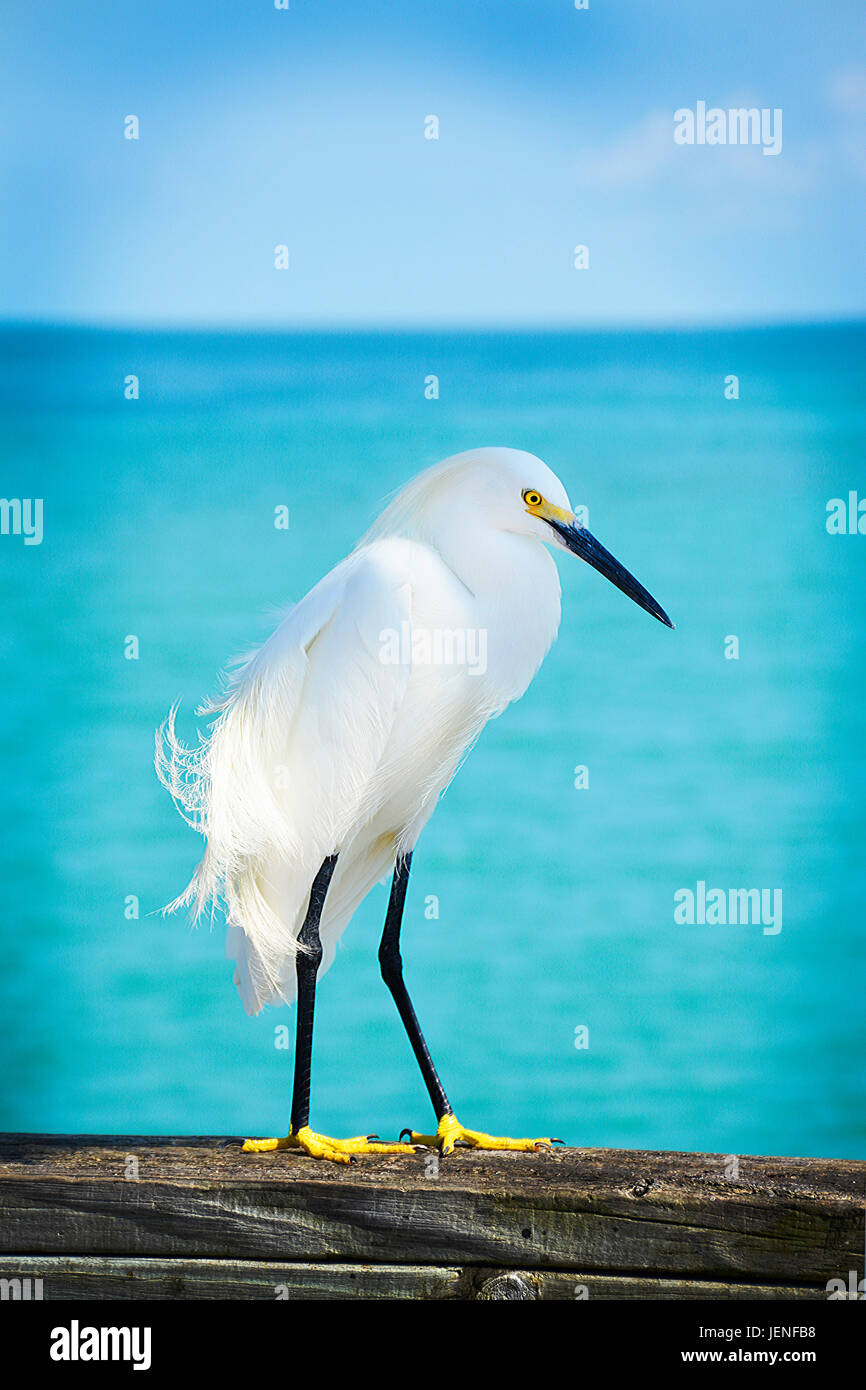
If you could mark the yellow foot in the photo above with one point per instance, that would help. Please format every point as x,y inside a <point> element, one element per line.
<point>450,1132</point>
<point>320,1146</point>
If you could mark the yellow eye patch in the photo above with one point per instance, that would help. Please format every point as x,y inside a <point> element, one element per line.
<point>536,504</point>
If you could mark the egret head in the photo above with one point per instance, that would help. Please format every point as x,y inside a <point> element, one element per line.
<point>515,491</point>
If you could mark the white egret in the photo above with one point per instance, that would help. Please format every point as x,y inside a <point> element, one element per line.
<point>332,743</point>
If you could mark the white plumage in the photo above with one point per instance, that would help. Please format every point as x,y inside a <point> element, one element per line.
<point>327,741</point>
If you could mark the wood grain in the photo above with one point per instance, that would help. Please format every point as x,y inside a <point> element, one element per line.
<point>666,1224</point>
<point>88,1277</point>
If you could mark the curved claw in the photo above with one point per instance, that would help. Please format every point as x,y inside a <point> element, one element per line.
<point>322,1146</point>
<point>450,1134</point>
<point>404,1134</point>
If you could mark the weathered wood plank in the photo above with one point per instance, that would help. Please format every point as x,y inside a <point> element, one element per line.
<point>96,1277</point>
<point>780,1221</point>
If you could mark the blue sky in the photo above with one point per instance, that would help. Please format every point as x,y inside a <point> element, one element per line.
<point>306,127</point>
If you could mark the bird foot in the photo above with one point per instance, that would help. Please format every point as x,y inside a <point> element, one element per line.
<point>450,1132</point>
<point>321,1146</point>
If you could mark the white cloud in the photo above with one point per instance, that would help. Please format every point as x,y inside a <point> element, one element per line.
<point>735,185</point>
<point>634,159</point>
<point>846,91</point>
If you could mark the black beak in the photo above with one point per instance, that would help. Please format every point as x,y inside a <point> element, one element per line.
<point>583,543</point>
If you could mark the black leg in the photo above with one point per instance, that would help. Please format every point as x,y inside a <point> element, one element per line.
<point>307,968</point>
<point>391,963</point>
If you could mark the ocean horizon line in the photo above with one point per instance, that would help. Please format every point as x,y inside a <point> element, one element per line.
<point>267,329</point>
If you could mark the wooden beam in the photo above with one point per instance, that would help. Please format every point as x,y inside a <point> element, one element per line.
<point>156,1214</point>
<point>93,1277</point>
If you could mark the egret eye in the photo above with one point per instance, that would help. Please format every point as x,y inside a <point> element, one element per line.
<point>532,499</point>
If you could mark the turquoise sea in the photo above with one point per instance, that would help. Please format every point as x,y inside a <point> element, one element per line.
<point>555,904</point>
